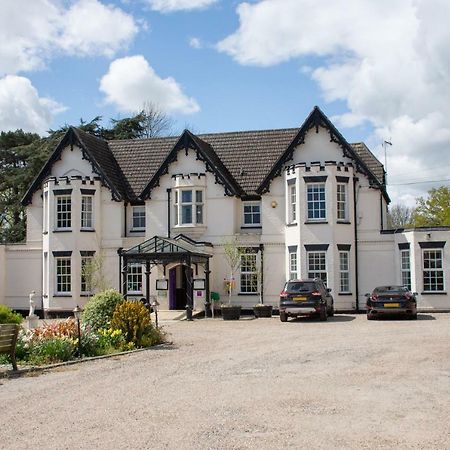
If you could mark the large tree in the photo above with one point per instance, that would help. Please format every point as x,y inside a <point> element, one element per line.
<point>434,210</point>
<point>401,216</point>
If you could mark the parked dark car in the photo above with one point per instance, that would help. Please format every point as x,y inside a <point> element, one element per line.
<point>391,301</point>
<point>306,297</point>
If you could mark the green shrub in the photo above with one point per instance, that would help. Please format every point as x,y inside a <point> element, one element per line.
<point>99,309</point>
<point>53,350</point>
<point>7,315</point>
<point>133,319</point>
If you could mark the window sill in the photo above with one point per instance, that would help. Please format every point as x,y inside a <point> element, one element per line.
<point>256,227</point>
<point>62,295</point>
<point>87,230</point>
<point>248,294</point>
<point>345,293</point>
<point>85,294</point>
<point>137,230</point>
<point>434,293</point>
<point>315,222</point>
<point>293,224</point>
<point>344,222</point>
<point>63,230</point>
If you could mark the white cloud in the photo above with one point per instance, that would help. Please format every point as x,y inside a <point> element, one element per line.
<point>21,106</point>
<point>179,5</point>
<point>33,31</point>
<point>131,82</point>
<point>387,60</point>
<point>195,43</point>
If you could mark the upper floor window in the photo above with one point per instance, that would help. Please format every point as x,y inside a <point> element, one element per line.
<point>405,268</point>
<point>341,201</point>
<point>188,207</point>
<point>63,276</point>
<point>249,273</point>
<point>45,212</point>
<point>87,212</point>
<point>251,214</point>
<point>433,272</point>
<point>316,203</point>
<point>292,206</point>
<point>138,218</point>
<point>63,211</point>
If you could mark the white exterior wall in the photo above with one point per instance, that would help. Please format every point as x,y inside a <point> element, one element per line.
<point>378,254</point>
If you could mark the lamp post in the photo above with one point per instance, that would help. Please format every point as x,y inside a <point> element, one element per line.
<point>77,313</point>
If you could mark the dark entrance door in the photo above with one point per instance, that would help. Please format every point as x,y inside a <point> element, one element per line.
<point>179,286</point>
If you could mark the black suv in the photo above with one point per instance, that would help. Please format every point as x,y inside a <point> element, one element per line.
<point>306,297</point>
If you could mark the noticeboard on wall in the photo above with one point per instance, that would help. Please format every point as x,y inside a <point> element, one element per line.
<point>162,284</point>
<point>199,284</point>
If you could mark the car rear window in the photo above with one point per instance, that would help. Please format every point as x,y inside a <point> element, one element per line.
<point>391,290</point>
<point>301,286</point>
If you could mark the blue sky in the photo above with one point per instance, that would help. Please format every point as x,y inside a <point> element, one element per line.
<point>379,70</point>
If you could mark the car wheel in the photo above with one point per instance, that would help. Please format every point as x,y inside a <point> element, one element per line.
<point>283,316</point>
<point>323,313</point>
<point>370,317</point>
<point>331,312</point>
<point>413,316</point>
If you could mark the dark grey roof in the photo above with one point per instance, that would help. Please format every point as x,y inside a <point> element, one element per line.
<point>245,160</point>
<point>140,159</point>
<point>370,160</point>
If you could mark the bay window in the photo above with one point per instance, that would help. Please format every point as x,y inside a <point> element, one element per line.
<point>316,204</point>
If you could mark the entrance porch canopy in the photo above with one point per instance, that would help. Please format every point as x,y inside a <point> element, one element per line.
<point>162,251</point>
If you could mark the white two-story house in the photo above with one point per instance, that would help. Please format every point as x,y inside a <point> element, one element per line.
<point>155,214</point>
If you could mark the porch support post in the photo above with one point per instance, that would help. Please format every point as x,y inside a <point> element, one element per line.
<point>208,312</point>
<point>147,282</point>
<point>124,289</point>
<point>189,291</point>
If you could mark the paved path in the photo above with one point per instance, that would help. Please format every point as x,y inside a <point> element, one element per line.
<point>346,383</point>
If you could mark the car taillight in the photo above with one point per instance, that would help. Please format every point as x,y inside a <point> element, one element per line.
<point>283,294</point>
<point>315,293</point>
<point>408,296</point>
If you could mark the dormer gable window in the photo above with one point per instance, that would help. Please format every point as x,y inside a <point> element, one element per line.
<point>138,218</point>
<point>188,207</point>
<point>251,214</point>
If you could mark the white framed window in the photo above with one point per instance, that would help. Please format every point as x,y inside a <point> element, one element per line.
<point>317,265</point>
<point>86,274</point>
<point>134,278</point>
<point>293,265</point>
<point>87,217</point>
<point>63,275</point>
<point>316,202</point>
<point>45,212</point>
<point>251,214</point>
<point>341,201</point>
<point>344,271</point>
<point>249,273</point>
<point>138,218</point>
<point>292,206</point>
<point>405,268</point>
<point>188,207</point>
<point>63,212</point>
<point>433,271</point>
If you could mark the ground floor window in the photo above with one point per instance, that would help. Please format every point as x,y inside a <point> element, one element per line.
<point>86,274</point>
<point>344,272</point>
<point>317,265</point>
<point>293,267</point>
<point>249,273</point>
<point>405,268</point>
<point>134,278</point>
<point>433,273</point>
<point>63,276</point>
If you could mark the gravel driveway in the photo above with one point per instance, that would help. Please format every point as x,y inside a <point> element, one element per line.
<point>263,384</point>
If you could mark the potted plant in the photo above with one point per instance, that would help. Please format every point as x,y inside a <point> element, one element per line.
<point>233,258</point>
